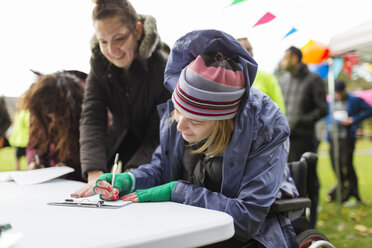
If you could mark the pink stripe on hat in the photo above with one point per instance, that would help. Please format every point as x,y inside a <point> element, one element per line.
<point>219,71</point>
<point>210,87</point>
<point>202,114</point>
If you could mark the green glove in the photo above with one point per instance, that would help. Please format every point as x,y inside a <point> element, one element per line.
<point>123,182</point>
<point>156,194</point>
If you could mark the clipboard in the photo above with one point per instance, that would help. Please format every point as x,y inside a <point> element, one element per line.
<point>87,203</point>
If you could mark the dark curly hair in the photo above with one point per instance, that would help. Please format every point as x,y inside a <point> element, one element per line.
<point>55,102</point>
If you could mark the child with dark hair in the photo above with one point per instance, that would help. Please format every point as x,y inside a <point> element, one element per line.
<point>54,102</point>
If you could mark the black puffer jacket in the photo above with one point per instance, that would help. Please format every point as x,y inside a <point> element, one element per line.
<point>131,100</point>
<point>305,100</point>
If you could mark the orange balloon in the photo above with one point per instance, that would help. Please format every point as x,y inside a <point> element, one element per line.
<point>314,53</point>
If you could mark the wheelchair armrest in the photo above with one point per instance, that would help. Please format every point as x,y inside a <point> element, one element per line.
<point>310,157</point>
<point>284,205</point>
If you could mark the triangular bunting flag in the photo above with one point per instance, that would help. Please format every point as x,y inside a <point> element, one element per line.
<point>266,18</point>
<point>237,1</point>
<point>293,30</point>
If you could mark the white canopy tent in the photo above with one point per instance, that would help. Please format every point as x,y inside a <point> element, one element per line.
<point>358,39</point>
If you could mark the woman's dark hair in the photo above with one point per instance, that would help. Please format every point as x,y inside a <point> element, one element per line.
<point>295,51</point>
<point>54,102</point>
<point>116,8</point>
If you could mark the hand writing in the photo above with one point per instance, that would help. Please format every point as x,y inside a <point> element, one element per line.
<point>103,188</point>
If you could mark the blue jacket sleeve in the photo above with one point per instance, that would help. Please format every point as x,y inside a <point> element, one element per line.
<point>150,175</point>
<point>365,110</point>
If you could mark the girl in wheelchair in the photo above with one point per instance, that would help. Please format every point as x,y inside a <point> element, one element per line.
<point>223,145</point>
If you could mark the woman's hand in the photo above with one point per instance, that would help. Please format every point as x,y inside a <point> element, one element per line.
<point>34,166</point>
<point>87,190</point>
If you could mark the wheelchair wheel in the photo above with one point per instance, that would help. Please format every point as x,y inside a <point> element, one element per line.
<point>309,236</point>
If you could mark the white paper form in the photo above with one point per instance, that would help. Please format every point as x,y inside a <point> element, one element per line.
<point>91,201</point>
<point>35,176</point>
<point>119,203</point>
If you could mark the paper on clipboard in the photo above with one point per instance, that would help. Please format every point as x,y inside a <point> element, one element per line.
<point>90,202</point>
<point>35,176</point>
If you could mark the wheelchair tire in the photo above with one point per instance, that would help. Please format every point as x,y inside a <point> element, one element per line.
<point>307,237</point>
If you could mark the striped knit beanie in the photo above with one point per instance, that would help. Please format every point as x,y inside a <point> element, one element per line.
<point>210,87</point>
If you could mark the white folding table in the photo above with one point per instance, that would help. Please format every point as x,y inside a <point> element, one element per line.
<point>162,224</point>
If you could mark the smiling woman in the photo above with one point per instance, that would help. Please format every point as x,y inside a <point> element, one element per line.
<point>117,42</point>
<point>126,78</point>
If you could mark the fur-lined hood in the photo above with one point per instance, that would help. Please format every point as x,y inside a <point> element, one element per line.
<point>149,42</point>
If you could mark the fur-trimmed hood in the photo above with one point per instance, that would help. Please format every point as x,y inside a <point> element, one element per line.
<point>149,42</point>
<point>150,39</point>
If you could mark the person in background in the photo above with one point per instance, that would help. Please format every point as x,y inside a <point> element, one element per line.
<point>19,136</point>
<point>202,160</point>
<point>5,123</point>
<point>264,81</point>
<point>305,102</point>
<point>349,111</point>
<point>54,102</point>
<point>126,78</point>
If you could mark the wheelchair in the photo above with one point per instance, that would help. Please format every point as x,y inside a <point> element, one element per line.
<point>294,209</point>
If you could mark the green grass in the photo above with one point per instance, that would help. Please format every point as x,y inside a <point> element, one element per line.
<point>345,226</point>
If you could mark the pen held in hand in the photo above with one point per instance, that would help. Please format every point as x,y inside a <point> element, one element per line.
<point>114,172</point>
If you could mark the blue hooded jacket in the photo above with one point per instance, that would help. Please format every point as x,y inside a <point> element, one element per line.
<point>254,173</point>
<point>356,108</point>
